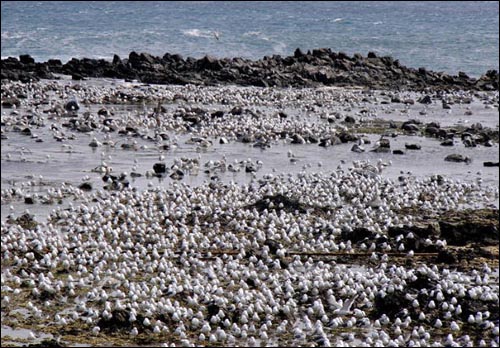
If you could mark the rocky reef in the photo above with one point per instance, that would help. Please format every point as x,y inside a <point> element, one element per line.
<point>319,67</point>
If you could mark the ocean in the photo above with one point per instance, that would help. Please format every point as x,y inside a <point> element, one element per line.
<point>444,36</point>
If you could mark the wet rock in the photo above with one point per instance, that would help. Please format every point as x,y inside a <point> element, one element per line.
<point>10,102</point>
<point>447,142</point>
<point>447,256</point>
<point>26,221</point>
<point>346,137</point>
<point>425,100</point>
<point>349,119</point>
<point>357,235</point>
<point>457,158</point>
<point>298,139</point>
<point>250,168</point>
<point>413,146</point>
<point>490,164</point>
<point>278,202</point>
<point>321,66</point>
<point>177,174</point>
<point>159,168</point>
<point>103,112</point>
<point>119,321</point>
<point>410,127</point>
<point>390,305</point>
<point>217,114</point>
<point>398,152</point>
<point>26,59</point>
<point>273,245</point>
<point>384,146</point>
<point>212,310</point>
<point>86,186</point>
<point>48,343</point>
<point>72,105</point>
<point>357,148</point>
<point>478,226</point>
<point>26,131</point>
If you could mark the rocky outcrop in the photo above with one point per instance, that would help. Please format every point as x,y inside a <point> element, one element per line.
<point>313,68</point>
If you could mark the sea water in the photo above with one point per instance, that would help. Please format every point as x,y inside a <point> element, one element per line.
<point>442,36</point>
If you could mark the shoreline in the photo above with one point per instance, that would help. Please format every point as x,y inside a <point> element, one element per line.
<point>314,68</point>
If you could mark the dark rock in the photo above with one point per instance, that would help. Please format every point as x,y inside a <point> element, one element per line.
<point>298,53</point>
<point>10,102</point>
<point>237,110</point>
<point>390,305</point>
<point>398,152</point>
<point>430,130</point>
<point>457,158</point>
<point>26,131</point>
<point>177,174</point>
<point>477,226</point>
<point>103,112</point>
<point>425,100</point>
<point>447,142</point>
<point>358,234</point>
<point>86,186</point>
<point>298,139</point>
<point>321,66</point>
<point>410,127</point>
<point>273,245</point>
<point>72,105</point>
<point>250,168</point>
<point>279,202</point>
<point>490,164</point>
<point>212,310</point>
<point>447,256</point>
<point>413,146</point>
<point>349,119</point>
<point>159,168</point>
<point>217,114</point>
<point>28,200</point>
<point>347,137</point>
<point>26,59</point>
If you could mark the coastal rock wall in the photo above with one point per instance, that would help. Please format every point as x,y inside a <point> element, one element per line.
<point>319,67</point>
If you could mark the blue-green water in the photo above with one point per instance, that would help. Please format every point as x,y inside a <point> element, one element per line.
<point>443,36</point>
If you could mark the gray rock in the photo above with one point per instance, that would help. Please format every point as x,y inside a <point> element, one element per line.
<point>457,158</point>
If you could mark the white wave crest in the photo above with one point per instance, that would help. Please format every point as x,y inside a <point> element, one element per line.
<point>198,33</point>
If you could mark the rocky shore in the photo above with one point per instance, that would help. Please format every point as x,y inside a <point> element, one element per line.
<point>141,214</point>
<point>319,67</point>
